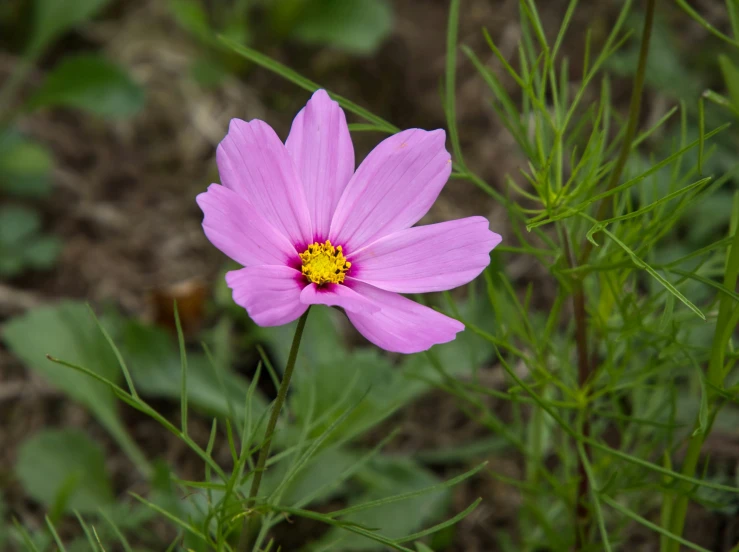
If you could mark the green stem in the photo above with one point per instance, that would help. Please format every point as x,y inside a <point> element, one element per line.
<point>715,376</point>
<point>584,369</point>
<point>251,522</point>
<point>586,365</point>
<point>633,123</point>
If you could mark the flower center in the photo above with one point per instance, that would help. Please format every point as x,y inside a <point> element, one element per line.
<point>323,263</point>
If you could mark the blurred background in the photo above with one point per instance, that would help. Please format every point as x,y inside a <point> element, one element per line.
<point>110,113</point>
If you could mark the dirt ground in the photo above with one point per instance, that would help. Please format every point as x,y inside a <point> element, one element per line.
<point>123,201</point>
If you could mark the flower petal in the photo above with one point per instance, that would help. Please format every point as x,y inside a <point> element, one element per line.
<point>401,325</point>
<point>337,295</point>
<point>321,147</point>
<point>235,227</point>
<point>427,258</point>
<point>270,294</point>
<point>255,164</point>
<point>392,189</point>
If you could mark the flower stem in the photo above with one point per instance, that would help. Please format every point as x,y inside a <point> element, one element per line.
<point>251,522</point>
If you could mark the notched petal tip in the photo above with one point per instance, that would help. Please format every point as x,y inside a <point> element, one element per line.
<point>321,95</point>
<point>438,133</point>
<point>494,239</point>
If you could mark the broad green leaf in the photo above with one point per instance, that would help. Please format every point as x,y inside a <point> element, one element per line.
<point>208,72</point>
<point>25,166</point>
<point>154,361</point>
<point>54,17</point>
<point>41,253</point>
<point>67,331</point>
<point>16,224</point>
<point>363,380</point>
<point>91,83</point>
<point>385,478</point>
<point>354,25</point>
<point>21,246</point>
<point>468,351</point>
<point>315,477</point>
<point>37,541</point>
<point>321,341</point>
<point>53,462</point>
<point>191,16</point>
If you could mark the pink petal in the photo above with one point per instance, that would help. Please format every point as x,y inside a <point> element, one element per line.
<point>401,325</point>
<point>235,227</point>
<point>254,163</point>
<point>392,189</point>
<point>337,295</point>
<point>270,294</point>
<point>322,150</point>
<point>427,258</point>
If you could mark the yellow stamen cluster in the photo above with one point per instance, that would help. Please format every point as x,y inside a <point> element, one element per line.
<point>324,264</point>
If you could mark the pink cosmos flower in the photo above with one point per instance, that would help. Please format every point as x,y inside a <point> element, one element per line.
<point>309,229</point>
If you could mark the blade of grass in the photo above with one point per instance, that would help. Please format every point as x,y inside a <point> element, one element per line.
<point>118,355</point>
<point>183,370</point>
<point>646,523</point>
<point>174,519</point>
<point>86,530</point>
<point>121,538</point>
<point>443,525</point>
<point>406,496</point>
<point>55,535</point>
<point>299,80</point>
<point>705,24</point>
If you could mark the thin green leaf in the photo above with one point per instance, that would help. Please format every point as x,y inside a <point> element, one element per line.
<point>732,6</point>
<point>451,72</point>
<point>54,534</point>
<point>116,351</point>
<point>405,496</point>
<point>183,370</point>
<point>705,24</point>
<point>27,540</point>
<point>116,530</point>
<point>646,523</point>
<point>299,80</point>
<point>171,517</point>
<point>652,272</point>
<point>656,468</point>
<point>90,540</point>
<point>343,525</point>
<point>443,525</point>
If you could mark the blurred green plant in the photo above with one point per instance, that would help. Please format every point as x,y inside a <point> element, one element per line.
<point>357,27</point>
<point>614,370</point>
<point>88,82</point>
<point>339,396</point>
<point>65,471</point>
<point>22,246</point>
